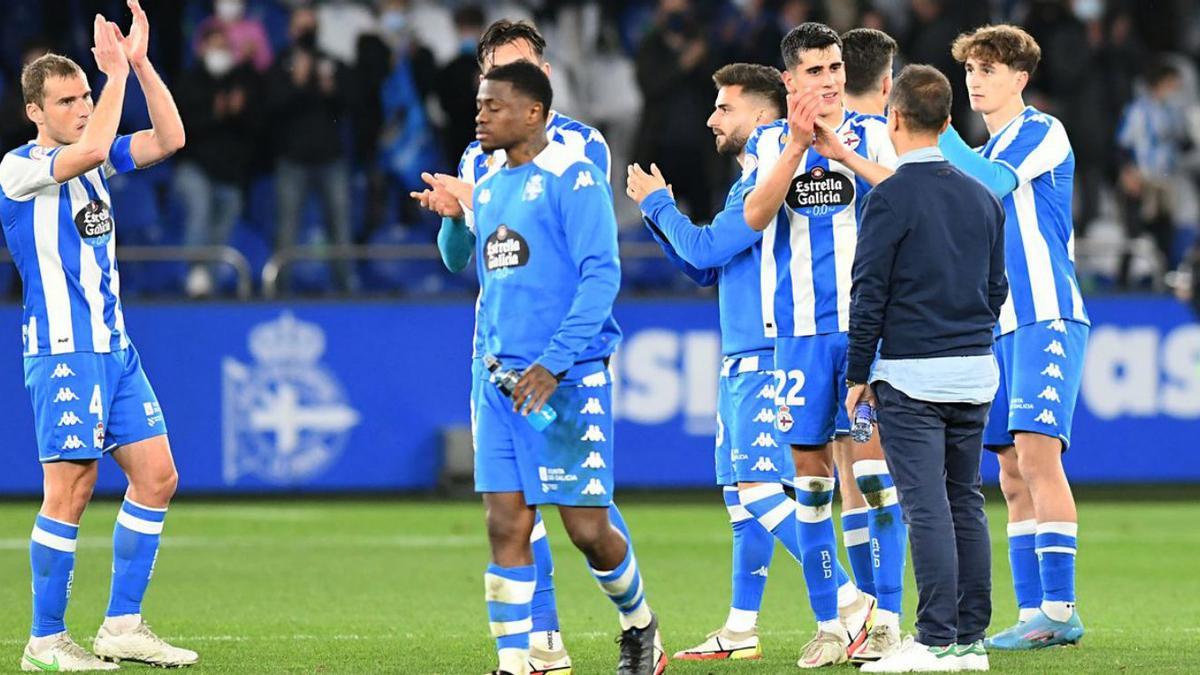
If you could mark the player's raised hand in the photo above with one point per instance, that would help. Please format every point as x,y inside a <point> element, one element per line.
<point>110,58</point>
<point>639,184</point>
<point>828,143</point>
<point>802,117</point>
<point>535,387</point>
<point>458,188</point>
<point>136,43</point>
<point>437,198</point>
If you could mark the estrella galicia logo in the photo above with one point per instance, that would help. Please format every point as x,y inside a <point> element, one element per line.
<point>506,249</point>
<point>94,222</point>
<point>820,192</point>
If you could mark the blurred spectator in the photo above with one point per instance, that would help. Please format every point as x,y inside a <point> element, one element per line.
<point>674,72</point>
<point>305,105</point>
<point>750,33</point>
<point>458,82</point>
<point>217,99</point>
<point>930,32</point>
<point>15,127</point>
<point>1151,136</point>
<point>247,36</point>
<point>340,23</point>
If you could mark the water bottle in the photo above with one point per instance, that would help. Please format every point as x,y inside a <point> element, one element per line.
<point>864,415</point>
<point>507,380</point>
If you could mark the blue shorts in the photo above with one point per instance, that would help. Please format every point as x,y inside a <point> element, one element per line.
<point>1041,367</point>
<point>569,463</point>
<point>87,404</point>
<point>747,450</point>
<point>810,395</point>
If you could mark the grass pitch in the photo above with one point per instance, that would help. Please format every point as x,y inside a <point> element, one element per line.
<point>395,586</point>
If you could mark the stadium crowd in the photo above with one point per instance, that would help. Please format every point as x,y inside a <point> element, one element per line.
<point>310,121</point>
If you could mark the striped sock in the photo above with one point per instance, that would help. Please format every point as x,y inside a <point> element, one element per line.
<point>135,548</point>
<point>509,594</point>
<point>52,558</point>
<point>775,513</point>
<point>1056,545</point>
<point>753,548</point>
<point>624,587</point>
<point>1023,559</point>
<point>545,609</point>
<point>814,500</point>
<point>885,521</point>
<point>857,539</point>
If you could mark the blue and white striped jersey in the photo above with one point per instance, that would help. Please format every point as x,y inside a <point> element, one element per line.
<point>1153,133</point>
<point>808,251</point>
<point>1039,240</point>
<point>63,241</point>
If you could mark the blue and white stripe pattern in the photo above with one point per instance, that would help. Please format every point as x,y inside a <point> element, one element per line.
<point>52,559</point>
<point>135,548</point>
<point>1038,232</point>
<point>1023,560</point>
<point>63,242</point>
<point>509,592</point>
<point>814,524</point>
<point>807,254</point>
<point>857,539</point>
<point>753,549</point>
<point>623,586</point>
<point>1056,547</point>
<point>1152,132</point>
<point>885,521</point>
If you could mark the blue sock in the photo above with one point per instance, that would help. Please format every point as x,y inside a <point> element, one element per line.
<point>1023,559</point>
<point>753,548</point>
<point>857,539</point>
<point>623,586</point>
<point>545,609</point>
<point>774,513</point>
<point>814,523</point>
<point>135,548</point>
<point>509,594</point>
<point>1056,556</point>
<point>52,558</point>
<point>885,521</point>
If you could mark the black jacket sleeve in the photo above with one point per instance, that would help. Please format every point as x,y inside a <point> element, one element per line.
<point>881,231</point>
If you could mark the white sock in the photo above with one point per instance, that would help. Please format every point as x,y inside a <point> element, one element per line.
<point>120,624</point>
<point>1027,613</point>
<point>885,618</point>
<point>1058,610</point>
<point>741,620</point>
<point>513,660</point>
<point>37,644</point>
<point>833,626</point>
<point>847,594</point>
<point>546,640</point>
<point>638,618</point>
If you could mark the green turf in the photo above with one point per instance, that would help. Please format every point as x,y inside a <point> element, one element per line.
<point>396,586</point>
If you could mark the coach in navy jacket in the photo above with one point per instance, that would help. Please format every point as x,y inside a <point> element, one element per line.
<point>928,283</point>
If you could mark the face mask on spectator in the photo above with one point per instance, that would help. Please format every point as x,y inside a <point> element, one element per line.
<point>393,21</point>
<point>230,10</point>
<point>1089,10</point>
<point>218,61</point>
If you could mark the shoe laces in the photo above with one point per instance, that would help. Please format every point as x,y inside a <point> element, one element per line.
<point>630,642</point>
<point>143,629</point>
<point>71,648</point>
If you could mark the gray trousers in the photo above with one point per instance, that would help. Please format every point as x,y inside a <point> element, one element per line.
<point>933,452</point>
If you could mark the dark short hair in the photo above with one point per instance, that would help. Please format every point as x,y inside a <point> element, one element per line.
<point>35,74</point>
<point>526,79</point>
<point>503,32</point>
<point>1004,43</point>
<point>1160,70</point>
<point>868,55</point>
<point>921,95</point>
<point>809,35</point>
<point>755,79</point>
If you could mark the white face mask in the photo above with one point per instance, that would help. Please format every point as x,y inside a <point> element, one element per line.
<point>230,10</point>
<point>393,21</point>
<point>218,62</point>
<point>1089,10</point>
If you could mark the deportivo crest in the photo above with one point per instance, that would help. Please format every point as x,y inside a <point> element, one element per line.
<point>505,249</point>
<point>784,420</point>
<point>820,192</point>
<point>533,188</point>
<point>95,224</point>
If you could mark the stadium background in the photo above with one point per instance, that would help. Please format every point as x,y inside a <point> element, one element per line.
<point>351,380</point>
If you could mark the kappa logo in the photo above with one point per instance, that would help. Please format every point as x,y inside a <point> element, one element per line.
<point>485,196</point>
<point>594,461</point>
<point>767,392</point>
<point>533,188</point>
<point>65,395</point>
<point>1052,370</point>
<point>593,434</point>
<point>1046,417</point>
<point>592,407</point>
<point>598,379</point>
<point>584,179</point>
<point>760,572</point>
<point>69,419</point>
<point>765,416</point>
<point>1058,326</point>
<point>784,420</point>
<point>765,464</point>
<point>1050,394</point>
<point>764,440</point>
<point>72,443</point>
<point>594,488</point>
<point>1055,347</point>
<point>62,370</point>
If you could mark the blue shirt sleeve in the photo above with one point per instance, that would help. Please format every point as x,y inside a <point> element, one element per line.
<point>706,246</point>
<point>456,243</point>
<point>590,230</point>
<point>998,177</point>
<point>703,277</point>
<point>120,155</point>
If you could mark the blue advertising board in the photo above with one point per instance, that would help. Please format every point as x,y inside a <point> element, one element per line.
<point>355,396</point>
